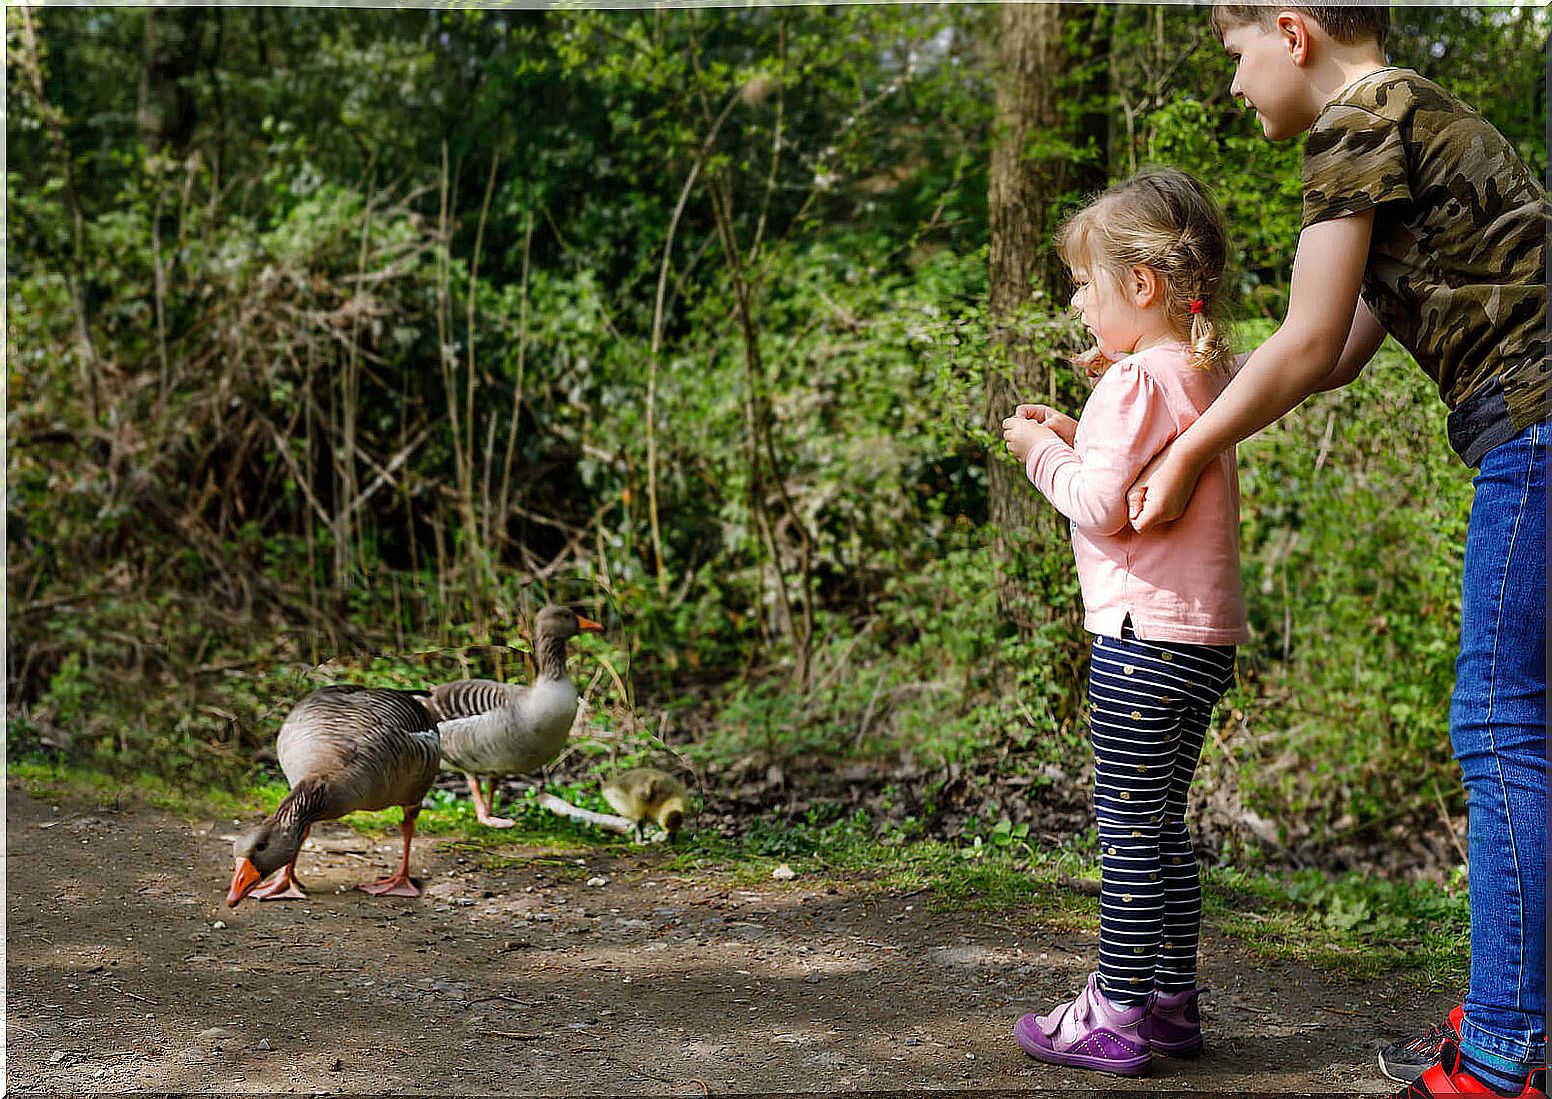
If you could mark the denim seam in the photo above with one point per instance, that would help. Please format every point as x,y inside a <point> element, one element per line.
<point>1492,690</point>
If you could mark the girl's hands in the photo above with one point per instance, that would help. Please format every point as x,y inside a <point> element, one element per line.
<point>1022,434</point>
<point>1065,426</point>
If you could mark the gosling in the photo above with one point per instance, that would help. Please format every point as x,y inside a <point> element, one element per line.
<point>645,793</point>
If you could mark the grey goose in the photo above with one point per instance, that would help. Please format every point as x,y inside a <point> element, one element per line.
<point>493,729</point>
<point>342,748</point>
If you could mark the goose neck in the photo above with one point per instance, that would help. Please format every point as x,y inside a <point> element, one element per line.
<point>308,801</point>
<point>550,656</point>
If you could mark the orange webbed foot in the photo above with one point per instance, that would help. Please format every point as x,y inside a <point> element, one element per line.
<point>285,887</point>
<point>398,886</point>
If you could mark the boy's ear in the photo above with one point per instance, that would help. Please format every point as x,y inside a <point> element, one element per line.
<point>1145,285</point>
<point>1294,29</point>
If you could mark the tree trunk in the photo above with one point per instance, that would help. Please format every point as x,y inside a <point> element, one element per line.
<point>1034,164</point>
<point>167,113</point>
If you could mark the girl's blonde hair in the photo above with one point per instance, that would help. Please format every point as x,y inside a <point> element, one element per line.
<point>1164,220</point>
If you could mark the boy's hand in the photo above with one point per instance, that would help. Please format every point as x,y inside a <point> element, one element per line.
<point>1165,495</point>
<point>1065,426</point>
<point>1139,490</point>
<point>1022,435</point>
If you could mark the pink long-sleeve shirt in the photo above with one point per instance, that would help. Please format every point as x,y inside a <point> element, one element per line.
<point>1178,582</point>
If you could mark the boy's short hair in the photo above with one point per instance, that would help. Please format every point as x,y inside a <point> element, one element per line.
<point>1347,23</point>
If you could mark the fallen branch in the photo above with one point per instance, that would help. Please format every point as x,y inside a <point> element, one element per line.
<point>606,821</point>
<point>498,996</point>
<point>131,995</point>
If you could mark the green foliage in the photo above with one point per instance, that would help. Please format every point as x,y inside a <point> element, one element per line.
<point>1004,837</point>
<point>1354,516</point>
<point>345,351</point>
<point>1351,923</point>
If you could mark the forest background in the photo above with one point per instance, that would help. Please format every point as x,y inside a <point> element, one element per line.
<point>339,341</point>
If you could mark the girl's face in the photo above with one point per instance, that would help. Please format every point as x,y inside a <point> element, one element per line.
<point>1109,310</point>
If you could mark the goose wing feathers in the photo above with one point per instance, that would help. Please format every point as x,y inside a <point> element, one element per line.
<point>375,746</point>
<point>472,697</point>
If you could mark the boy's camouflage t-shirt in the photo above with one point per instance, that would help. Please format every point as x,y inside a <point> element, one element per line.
<point>1456,266</point>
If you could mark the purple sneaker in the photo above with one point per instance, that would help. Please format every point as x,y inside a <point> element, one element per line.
<point>1088,1032</point>
<point>1174,1023</point>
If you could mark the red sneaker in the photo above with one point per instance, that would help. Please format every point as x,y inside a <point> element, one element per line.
<point>1448,1077</point>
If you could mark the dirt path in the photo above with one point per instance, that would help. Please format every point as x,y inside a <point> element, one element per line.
<point>125,972</point>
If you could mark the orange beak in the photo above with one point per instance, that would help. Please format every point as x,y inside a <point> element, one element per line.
<point>589,625</point>
<point>244,878</point>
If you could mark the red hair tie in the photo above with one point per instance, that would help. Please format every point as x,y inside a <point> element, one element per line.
<point>1196,306</point>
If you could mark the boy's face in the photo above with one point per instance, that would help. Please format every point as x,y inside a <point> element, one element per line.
<point>1270,76</point>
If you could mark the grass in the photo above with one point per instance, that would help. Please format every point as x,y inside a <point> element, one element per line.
<point>1351,925</point>
<point>1355,925</point>
<point>49,781</point>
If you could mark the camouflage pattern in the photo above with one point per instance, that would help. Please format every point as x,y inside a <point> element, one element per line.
<point>1456,268</point>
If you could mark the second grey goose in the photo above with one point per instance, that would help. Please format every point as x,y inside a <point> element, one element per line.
<point>493,729</point>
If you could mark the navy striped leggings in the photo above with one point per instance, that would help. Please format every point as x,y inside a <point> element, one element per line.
<point>1149,707</point>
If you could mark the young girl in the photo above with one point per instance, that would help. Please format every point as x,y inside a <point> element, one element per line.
<point>1165,607</point>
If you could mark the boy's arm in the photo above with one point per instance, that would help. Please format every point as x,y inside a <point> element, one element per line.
<point>1363,340</point>
<point>1304,351</point>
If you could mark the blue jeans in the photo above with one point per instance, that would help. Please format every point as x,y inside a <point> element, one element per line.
<point>1498,726</point>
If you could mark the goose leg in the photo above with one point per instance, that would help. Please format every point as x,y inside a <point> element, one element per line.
<point>285,887</point>
<point>491,791</point>
<point>483,811</point>
<point>401,884</point>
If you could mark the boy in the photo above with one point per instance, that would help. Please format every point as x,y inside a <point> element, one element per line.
<point>1420,220</point>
